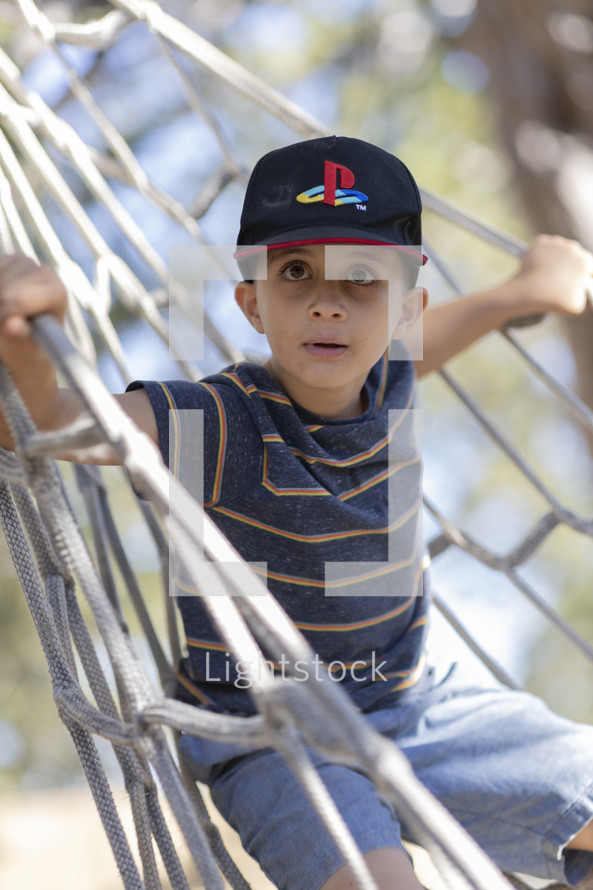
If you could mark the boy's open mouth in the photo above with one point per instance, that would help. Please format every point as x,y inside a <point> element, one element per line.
<point>324,349</point>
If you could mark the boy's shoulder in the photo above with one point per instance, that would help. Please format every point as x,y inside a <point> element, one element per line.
<point>219,403</point>
<point>207,417</point>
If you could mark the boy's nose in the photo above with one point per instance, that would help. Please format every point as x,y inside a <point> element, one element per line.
<point>327,310</point>
<point>327,302</point>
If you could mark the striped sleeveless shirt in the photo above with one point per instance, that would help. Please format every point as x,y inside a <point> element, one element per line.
<point>327,510</point>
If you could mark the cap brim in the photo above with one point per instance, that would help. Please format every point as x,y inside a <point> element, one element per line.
<point>327,235</point>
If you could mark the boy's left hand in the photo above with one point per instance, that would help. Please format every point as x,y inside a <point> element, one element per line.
<point>556,275</point>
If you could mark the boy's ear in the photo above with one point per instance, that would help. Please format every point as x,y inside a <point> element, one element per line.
<point>414,303</point>
<point>246,300</point>
<point>425,299</point>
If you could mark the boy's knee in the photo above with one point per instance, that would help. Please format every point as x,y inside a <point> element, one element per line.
<point>390,868</point>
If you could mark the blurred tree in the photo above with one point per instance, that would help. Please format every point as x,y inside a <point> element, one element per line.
<point>540,55</point>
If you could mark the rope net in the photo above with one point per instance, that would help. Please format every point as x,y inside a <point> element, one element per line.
<point>114,273</point>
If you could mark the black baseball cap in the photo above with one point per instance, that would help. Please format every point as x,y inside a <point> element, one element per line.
<point>331,190</point>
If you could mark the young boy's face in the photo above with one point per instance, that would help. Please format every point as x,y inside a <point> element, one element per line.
<point>328,312</point>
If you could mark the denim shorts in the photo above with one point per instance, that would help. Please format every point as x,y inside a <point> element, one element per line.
<point>518,777</point>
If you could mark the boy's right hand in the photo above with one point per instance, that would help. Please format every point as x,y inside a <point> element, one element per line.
<point>26,290</point>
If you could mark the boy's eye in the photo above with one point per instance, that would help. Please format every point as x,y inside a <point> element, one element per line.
<point>296,272</point>
<point>361,275</point>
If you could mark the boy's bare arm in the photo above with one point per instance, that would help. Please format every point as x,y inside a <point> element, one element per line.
<point>553,277</point>
<point>26,290</point>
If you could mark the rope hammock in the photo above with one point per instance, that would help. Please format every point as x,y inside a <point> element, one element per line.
<point>51,557</point>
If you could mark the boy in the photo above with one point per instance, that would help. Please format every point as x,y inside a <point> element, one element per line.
<point>296,473</point>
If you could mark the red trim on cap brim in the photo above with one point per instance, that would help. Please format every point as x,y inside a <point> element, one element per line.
<point>249,251</point>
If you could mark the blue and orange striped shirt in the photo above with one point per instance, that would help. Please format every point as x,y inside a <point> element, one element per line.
<point>328,511</point>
